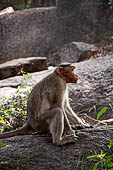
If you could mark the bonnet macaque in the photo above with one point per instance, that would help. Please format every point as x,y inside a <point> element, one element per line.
<point>48,108</point>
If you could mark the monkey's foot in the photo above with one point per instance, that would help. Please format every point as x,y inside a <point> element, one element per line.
<point>66,140</point>
<point>70,133</point>
<point>79,127</point>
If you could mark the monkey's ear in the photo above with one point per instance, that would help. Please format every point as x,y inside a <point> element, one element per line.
<point>72,68</point>
<point>60,70</point>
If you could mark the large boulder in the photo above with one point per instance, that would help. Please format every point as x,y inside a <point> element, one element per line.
<point>27,33</point>
<point>43,31</point>
<point>75,52</point>
<point>85,21</point>
<point>31,64</point>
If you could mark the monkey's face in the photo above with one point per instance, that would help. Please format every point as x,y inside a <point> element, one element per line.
<point>68,74</point>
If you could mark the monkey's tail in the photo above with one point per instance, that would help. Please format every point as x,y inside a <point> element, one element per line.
<point>25,130</point>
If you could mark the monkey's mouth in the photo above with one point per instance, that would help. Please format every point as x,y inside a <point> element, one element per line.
<point>74,81</point>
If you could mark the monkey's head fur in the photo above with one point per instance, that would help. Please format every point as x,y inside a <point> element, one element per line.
<point>66,71</point>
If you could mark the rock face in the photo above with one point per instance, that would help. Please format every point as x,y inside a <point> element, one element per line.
<point>26,33</point>
<point>13,67</point>
<point>43,31</point>
<point>37,152</point>
<point>95,86</point>
<point>74,52</point>
<point>85,21</point>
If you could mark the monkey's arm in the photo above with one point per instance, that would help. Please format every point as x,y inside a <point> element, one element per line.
<point>73,118</point>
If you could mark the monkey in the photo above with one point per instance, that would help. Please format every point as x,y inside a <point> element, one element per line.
<point>48,108</point>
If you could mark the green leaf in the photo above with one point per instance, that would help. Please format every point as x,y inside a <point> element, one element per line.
<point>2,121</point>
<point>2,144</point>
<point>111,38</point>
<point>110,106</point>
<point>110,145</point>
<point>109,156</point>
<point>95,166</point>
<point>92,156</point>
<point>3,162</point>
<point>109,164</point>
<point>99,156</point>
<point>21,154</point>
<point>103,110</point>
<point>36,154</point>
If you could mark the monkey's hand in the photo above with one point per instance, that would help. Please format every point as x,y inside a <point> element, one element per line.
<point>78,127</point>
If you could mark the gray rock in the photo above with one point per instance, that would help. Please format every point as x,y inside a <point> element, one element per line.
<point>27,33</point>
<point>31,64</point>
<point>37,152</point>
<point>41,32</point>
<point>87,21</point>
<point>95,86</point>
<point>74,52</point>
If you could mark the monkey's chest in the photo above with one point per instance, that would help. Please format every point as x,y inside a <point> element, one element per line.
<point>46,104</point>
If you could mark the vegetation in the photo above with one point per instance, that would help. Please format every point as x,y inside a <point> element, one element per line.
<point>103,110</point>
<point>105,159</point>
<point>13,109</point>
<point>25,6</point>
<point>17,5</point>
<point>110,2</point>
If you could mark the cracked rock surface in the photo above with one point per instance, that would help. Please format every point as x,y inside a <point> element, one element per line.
<point>38,153</point>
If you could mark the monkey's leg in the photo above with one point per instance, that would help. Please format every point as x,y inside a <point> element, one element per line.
<point>57,127</point>
<point>54,119</point>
